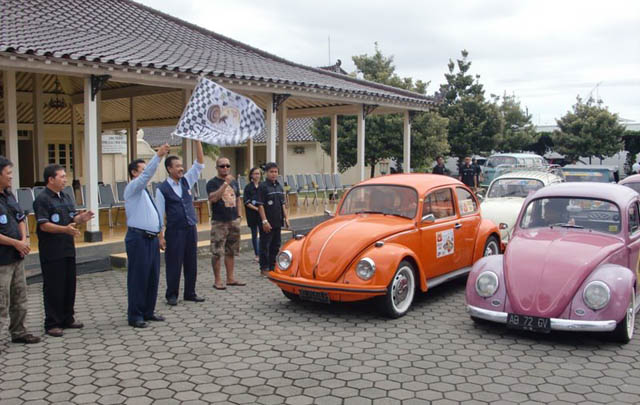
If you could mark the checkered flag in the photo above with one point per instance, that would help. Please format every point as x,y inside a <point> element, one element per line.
<point>219,116</point>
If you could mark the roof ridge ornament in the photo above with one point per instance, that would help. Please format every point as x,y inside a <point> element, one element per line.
<point>368,109</point>
<point>97,83</point>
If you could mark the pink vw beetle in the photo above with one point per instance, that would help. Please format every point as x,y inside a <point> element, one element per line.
<point>571,265</point>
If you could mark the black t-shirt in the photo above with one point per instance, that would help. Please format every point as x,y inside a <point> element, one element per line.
<point>58,209</point>
<point>439,169</point>
<point>250,196</point>
<point>477,169</point>
<point>10,216</point>
<point>225,209</point>
<point>468,174</point>
<point>271,197</point>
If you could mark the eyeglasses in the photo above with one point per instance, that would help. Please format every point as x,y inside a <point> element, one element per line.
<point>224,166</point>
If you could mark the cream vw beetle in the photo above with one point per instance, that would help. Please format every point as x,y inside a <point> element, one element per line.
<point>507,192</point>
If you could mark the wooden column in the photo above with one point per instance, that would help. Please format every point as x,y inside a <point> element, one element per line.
<point>187,144</point>
<point>360,165</point>
<point>132,141</point>
<point>406,144</point>
<point>271,130</point>
<point>78,151</point>
<point>250,154</point>
<point>282,140</point>
<point>11,124</point>
<point>334,143</point>
<point>38,144</point>
<point>91,142</point>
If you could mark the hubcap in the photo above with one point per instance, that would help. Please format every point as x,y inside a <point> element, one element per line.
<point>491,249</point>
<point>402,289</point>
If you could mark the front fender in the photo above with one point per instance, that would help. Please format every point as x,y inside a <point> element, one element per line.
<point>486,229</point>
<point>386,258</point>
<point>620,280</point>
<point>495,302</point>
<point>295,247</point>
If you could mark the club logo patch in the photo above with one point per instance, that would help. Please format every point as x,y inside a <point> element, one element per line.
<point>270,202</point>
<point>3,219</point>
<point>55,218</point>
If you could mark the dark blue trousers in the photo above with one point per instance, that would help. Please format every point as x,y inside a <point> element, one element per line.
<point>269,247</point>
<point>143,275</point>
<point>182,250</point>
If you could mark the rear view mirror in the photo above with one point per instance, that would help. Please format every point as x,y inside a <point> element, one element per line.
<point>503,226</point>
<point>328,213</point>
<point>429,218</point>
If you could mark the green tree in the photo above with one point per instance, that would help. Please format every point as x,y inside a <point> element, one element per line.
<point>518,133</point>
<point>383,138</point>
<point>588,130</point>
<point>474,122</point>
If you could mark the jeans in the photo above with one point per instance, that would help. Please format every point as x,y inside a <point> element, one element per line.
<point>255,241</point>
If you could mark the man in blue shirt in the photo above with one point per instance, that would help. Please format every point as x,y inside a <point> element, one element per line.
<point>174,197</point>
<point>143,256</point>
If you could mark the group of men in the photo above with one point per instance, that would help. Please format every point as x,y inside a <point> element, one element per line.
<point>470,172</point>
<point>167,223</point>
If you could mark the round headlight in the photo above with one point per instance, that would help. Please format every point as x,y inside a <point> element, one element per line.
<point>366,268</point>
<point>596,295</point>
<point>487,284</point>
<point>284,259</point>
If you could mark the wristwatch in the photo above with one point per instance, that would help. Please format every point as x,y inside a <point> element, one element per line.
<point>265,222</point>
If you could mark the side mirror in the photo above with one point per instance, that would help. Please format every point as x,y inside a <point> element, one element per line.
<point>503,226</point>
<point>429,218</point>
<point>480,197</point>
<point>328,213</point>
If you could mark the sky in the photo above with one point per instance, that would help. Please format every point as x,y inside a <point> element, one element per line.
<point>544,52</point>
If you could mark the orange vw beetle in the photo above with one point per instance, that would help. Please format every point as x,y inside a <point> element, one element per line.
<point>390,236</point>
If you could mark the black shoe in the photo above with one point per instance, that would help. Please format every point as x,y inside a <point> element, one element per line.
<point>138,324</point>
<point>155,318</point>
<point>195,298</point>
<point>173,301</point>
<point>26,339</point>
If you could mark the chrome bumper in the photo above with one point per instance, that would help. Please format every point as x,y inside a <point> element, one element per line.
<point>571,325</point>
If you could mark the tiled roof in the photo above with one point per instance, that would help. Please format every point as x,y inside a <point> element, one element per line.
<point>122,32</point>
<point>298,130</point>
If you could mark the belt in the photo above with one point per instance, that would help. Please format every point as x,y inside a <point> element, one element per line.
<point>146,234</point>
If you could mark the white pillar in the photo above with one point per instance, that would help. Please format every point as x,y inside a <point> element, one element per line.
<point>187,144</point>
<point>282,138</point>
<point>334,144</point>
<point>132,151</point>
<point>99,130</point>
<point>91,138</point>
<point>39,151</point>
<point>360,144</point>
<point>406,144</point>
<point>271,131</point>
<point>250,154</point>
<point>11,124</point>
<point>78,153</point>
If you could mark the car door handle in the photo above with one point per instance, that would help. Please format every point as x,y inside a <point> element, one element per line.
<point>457,226</point>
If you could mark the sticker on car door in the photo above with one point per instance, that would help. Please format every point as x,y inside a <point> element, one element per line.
<point>444,243</point>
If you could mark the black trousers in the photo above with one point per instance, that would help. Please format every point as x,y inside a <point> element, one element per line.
<point>143,275</point>
<point>269,247</point>
<point>59,291</point>
<point>182,251</point>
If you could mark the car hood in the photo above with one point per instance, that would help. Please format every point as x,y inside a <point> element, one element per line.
<point>545,267</point>
<point>333,244</point>
<point>502,209</point>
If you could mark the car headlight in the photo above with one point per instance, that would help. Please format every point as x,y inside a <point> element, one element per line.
<point>366,268</point>
<point>596,295</point>
<point>284,259</point>
<point>487,284</point>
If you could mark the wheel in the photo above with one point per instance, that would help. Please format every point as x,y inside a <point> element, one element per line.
<point>480,321</point>
<point>492,247</point>
<point>400,292</point>
<point>293,297</point>
<point>624,330</point>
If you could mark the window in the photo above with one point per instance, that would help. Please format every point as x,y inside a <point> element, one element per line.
<point>466,203</point>
<point>439,203</point>
<point>634,223</point>
<point>51,148</point>
<point>62,154</point>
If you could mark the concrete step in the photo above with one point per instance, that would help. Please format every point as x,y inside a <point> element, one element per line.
<point>84,265</point>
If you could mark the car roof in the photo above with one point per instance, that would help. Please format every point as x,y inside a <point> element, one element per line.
<point>422,182</point>
<point>543,176</point>
<point>590,167</point>
<point>616,193</point>
<point>635,178</point>
<point>517,155</point>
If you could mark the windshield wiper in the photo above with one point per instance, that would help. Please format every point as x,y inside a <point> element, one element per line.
<point>369,212</point>
<point>566,225</point>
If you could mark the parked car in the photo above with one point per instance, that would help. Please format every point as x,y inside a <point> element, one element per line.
<point>506,193</point>
<point>501,162</point>
<point>593,173</point>
<point>571,264</point>
<point>632,182</point>
<point>391,236</point>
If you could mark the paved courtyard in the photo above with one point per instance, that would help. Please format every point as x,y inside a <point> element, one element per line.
<point>251,345</point>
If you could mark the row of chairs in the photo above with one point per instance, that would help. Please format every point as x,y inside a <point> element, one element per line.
<point>327,186</point>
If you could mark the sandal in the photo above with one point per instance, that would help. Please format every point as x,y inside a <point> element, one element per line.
<point>219,288</point>
<point>237,283</point>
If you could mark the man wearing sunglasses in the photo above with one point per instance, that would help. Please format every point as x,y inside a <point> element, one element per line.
<point>224,195</point>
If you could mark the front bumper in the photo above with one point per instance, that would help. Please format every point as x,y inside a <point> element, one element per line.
<point>294,284</point>
<point>570,325</point>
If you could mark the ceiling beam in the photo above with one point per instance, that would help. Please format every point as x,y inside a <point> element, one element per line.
<point>125,92</point>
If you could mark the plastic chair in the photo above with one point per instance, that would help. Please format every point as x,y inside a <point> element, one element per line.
<point>37,190</point>
<point>329,186</point>
<point>321,186</point>
<point>311,183</point>
<point>293,188</point>
<point>106,200</point>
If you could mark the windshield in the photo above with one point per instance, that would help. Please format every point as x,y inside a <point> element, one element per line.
<point>382,199</point>
<point>495,161</point>
<point>582,213</point>
<point>634,186</point>
<point>513,188</point>
<point>580,175</point>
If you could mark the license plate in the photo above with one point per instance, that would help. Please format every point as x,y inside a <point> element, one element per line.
<point>530,323</point>
<point>315,296</point>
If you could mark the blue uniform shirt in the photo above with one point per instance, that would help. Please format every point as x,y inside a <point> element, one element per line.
<point>141,211</point>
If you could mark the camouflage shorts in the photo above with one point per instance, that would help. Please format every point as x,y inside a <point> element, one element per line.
<point>225,238</point>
